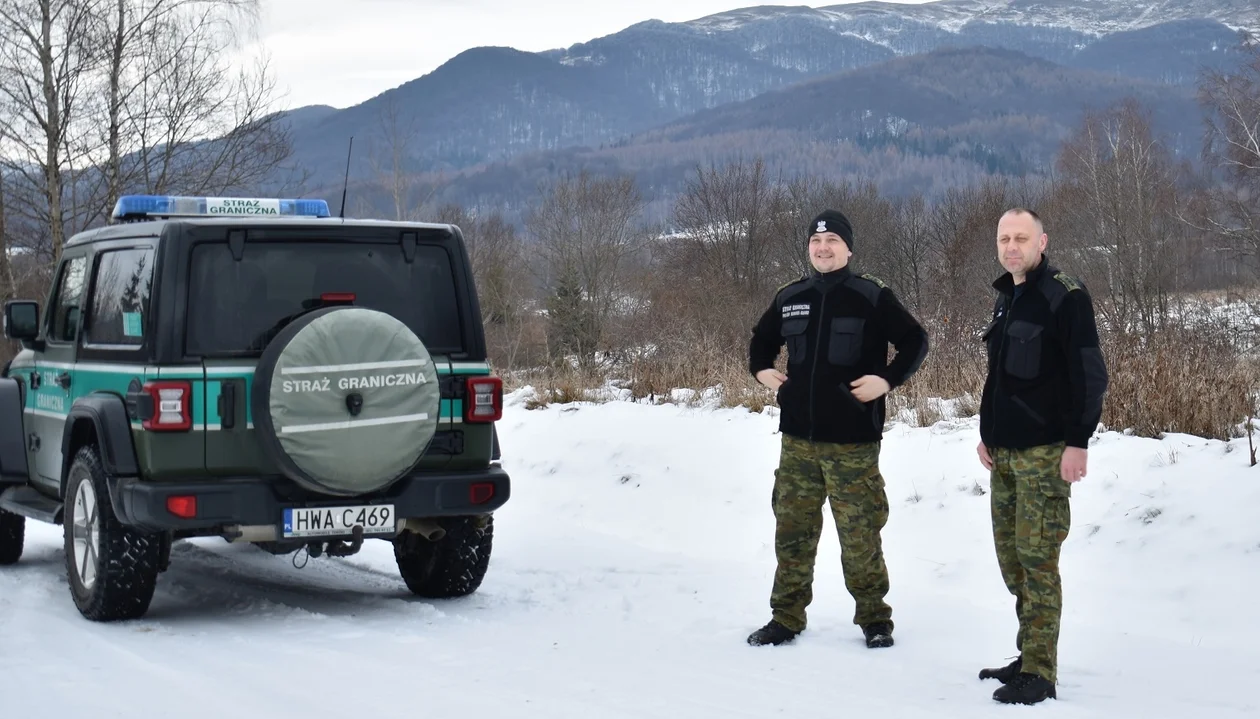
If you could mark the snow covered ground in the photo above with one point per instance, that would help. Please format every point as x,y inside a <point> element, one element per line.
<point>632,560</point>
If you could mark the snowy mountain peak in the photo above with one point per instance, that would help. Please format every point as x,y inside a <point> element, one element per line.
<point>1089,17</point>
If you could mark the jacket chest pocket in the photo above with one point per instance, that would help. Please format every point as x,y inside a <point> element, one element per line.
<point>794,337</point>
<point>844,343</point>
<point>1023,349</point>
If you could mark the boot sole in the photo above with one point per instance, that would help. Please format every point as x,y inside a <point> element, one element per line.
<point>1052,693</point>
<point>754,642</point>
<point>1027,702</point>
<point>771,644</point>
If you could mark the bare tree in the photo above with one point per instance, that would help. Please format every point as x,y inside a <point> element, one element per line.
<point>22,273</point>
<point>1232,148</point>
<point>46,57</point>
<point>587,232</point>
<point>908,252</point>
<point>194,125</point>
<point>98,97</point>
<point>724,217</point>
<point>963,241</point>
<point>6,265</point>
<point>1120,203</point>
<point>796,203</point>
<point>389,160</point>
<point>725,251</point>
<point>8,286</point>
<point>502,277</point>
<point>131,31</point>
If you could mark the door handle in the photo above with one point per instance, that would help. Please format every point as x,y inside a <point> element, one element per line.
<point>63,379</point>
<point>227,405</point>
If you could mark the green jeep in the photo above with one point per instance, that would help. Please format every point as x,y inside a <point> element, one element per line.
<point>257,370</point>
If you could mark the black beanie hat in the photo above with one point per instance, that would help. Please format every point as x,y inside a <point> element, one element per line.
<point>832,221</point>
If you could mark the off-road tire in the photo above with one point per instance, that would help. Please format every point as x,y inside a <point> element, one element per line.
<point>454,565</point>
<point>12,537</point>
<point>128,564</point>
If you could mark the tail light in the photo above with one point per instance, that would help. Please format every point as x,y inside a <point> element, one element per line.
<point>483,401</point>
<point>481,492</point>
<point>172,406</point>
<point>184,506</point>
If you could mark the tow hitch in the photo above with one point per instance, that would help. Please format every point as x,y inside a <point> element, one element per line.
<point>340,548</point>
<point>335,548</point>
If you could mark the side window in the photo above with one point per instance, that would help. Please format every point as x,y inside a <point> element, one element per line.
<point>64,319</point>
<point>120,297</point>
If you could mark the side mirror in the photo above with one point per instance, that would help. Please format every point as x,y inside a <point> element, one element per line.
<point>21,320</point>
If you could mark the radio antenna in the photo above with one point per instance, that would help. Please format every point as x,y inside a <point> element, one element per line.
<point>346,186</point>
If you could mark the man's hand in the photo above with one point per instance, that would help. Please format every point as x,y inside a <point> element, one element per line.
<point>869,388</point>
<point>771,378</point>
<point>1072,467</point>
<point>985,459</point>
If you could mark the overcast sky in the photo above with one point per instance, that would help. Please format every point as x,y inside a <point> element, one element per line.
<point>342,52</point>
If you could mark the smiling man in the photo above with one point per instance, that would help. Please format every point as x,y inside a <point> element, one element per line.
<point>1042,402</point>
<point>837,326</point>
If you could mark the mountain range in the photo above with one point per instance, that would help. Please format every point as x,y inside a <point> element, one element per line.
<point>949,89</point>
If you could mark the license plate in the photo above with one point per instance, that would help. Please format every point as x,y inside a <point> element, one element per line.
<point>328,521</point>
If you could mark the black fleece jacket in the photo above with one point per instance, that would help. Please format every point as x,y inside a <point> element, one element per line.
<point>837,328</point>
<point>1046,376</point>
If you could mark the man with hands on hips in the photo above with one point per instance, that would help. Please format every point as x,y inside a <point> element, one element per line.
<point>837,326</point>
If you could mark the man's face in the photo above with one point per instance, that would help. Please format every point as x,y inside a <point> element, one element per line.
<point>1020,243</point>
<point>828,252</point>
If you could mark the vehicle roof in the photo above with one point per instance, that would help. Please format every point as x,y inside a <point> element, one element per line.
<point>153,228</point>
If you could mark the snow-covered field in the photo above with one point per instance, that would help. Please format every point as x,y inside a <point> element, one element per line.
<point>635,556</point>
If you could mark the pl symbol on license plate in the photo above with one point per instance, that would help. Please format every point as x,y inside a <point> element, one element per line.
<point>330,521</point>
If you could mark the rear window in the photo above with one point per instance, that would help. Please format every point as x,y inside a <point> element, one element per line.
<point>235,307</point>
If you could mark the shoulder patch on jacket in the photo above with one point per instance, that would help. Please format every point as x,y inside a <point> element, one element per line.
<point>1068,281</point>
<point>790,289</point>
<point>1057,287</point>
<point>873,278</point>
<point>789,283</point>
<point>869,286</point>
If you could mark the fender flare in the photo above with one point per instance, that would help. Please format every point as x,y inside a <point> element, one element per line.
<point>106,413</point>
<point>13,466</point>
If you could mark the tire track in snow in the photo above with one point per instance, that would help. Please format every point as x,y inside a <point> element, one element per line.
<point>245,582</point>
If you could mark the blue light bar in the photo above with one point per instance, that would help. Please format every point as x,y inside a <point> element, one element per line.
<point>142,207</point>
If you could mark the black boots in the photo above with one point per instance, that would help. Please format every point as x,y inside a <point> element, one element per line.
<point>772,633</point>
<point>1019,687</point>
<point>878,635</point>
<point>1004,674</point>
<point>1025,688</point>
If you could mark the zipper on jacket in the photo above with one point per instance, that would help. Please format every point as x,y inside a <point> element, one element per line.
<point>813,370</point>
<point>1001,362</point>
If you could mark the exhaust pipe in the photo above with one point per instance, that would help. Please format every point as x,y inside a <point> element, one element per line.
<point>426,528</point>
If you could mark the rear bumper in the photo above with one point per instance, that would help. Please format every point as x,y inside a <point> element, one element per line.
<point>256,501</point>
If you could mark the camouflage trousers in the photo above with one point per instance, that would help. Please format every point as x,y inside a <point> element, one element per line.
<point>847,475</point>
<point>1031,510</point>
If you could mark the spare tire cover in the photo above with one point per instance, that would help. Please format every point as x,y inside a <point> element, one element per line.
<point>346,400</point>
